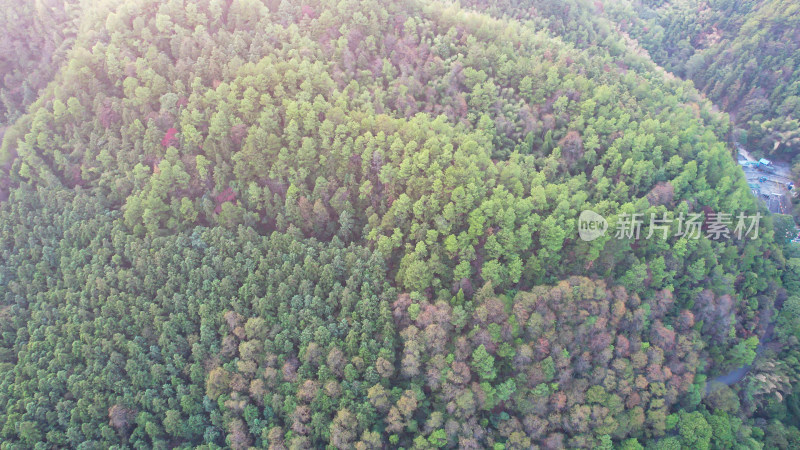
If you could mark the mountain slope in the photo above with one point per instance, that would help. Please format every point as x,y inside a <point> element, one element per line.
<point>355,223</point>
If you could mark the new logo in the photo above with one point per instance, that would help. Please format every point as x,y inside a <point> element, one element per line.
<point>591,225</point>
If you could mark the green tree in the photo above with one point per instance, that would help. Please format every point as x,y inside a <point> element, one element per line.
<point>694,430</point>
<point>483,363</point>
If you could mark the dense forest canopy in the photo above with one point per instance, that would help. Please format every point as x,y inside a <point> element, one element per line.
<point>354,224</point>
<point>744,55</point>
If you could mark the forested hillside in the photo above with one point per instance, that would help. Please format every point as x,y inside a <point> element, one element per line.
<point>354,224</point>
<point>34,43</point>
<point>744,55</point>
